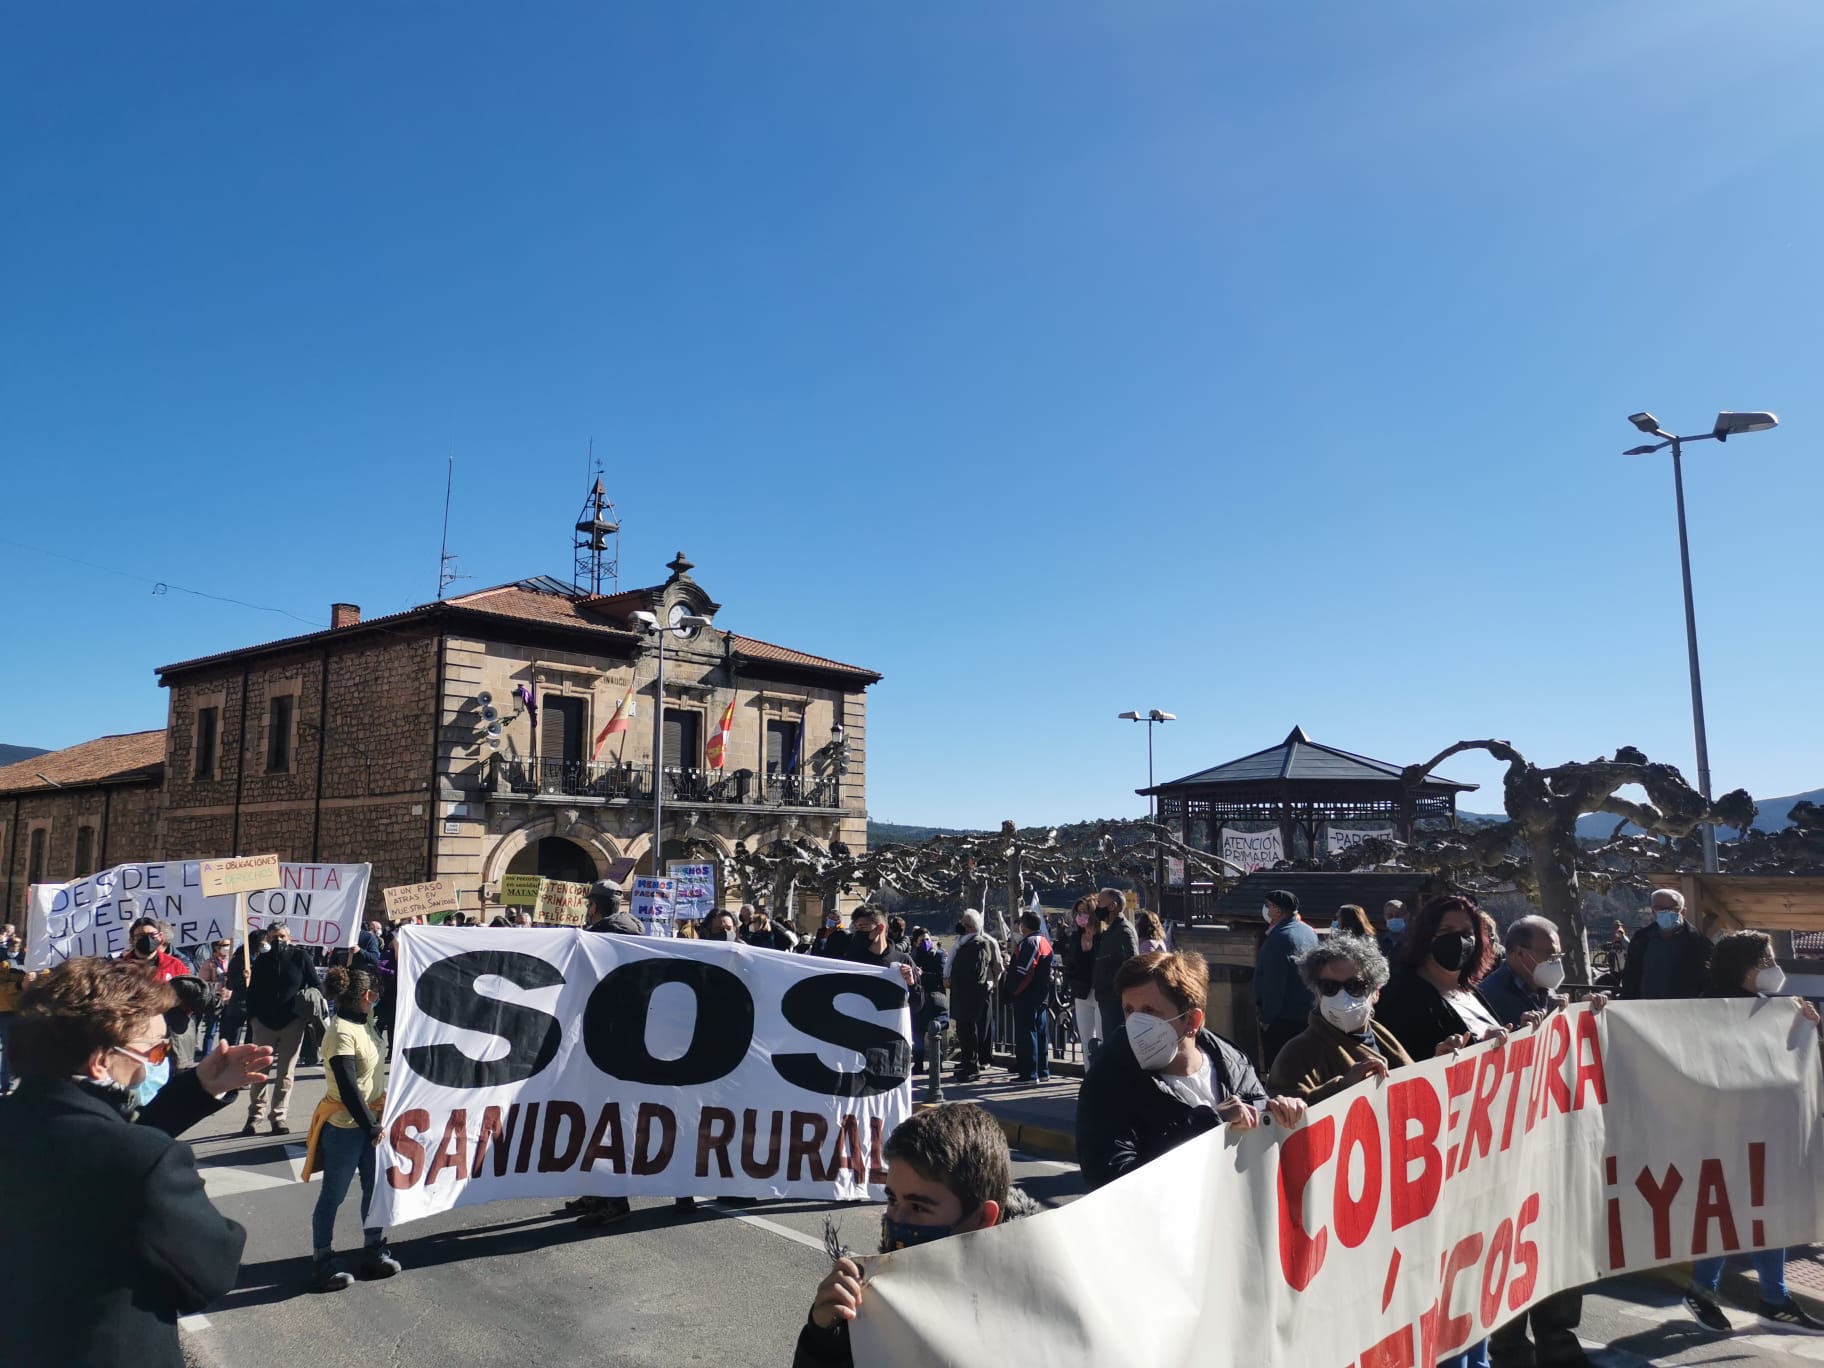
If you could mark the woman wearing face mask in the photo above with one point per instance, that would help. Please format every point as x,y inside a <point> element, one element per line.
<point>1352,920</point>
<point>1344,1044</point>
<point>1152,933</point>
<point>1161,1078</point>
<point>90,1181</point>
<point>1742,966</point>
<point>1431,1004</point>
<point>346,1127</point>
<point>1079,951</point>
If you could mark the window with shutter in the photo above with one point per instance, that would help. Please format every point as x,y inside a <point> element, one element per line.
<point>85,851</point>
<point>34,864</point>
<point>278,733</point>
<point>560,729</point>
<point>208,721</point>
<point>683,742</point>
<point>781,747</point>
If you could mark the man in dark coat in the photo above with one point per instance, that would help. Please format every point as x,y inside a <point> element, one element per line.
<point>974,966</point>
<point>1115,946</point>
<point>1670,958</point>
<point>108,1235</point>
<point>1279,993</point>
<point>275,982</point>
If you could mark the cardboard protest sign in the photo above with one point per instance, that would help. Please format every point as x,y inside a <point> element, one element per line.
<point>653,901</point>
<point>321,903</point>
<point>695,897</point>
<point>635,1066</point>
<point>244,874</point>
<point>1403,1219</point>
<point>419,900</point>
<point>562,904</point>
<point>520,890</point>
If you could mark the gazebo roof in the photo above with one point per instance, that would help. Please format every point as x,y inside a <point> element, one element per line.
<point>1300,760</point>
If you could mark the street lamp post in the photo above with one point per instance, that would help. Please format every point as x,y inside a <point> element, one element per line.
<point>648,622</point>
<point>1152,717</point>
<point>1727,425</point>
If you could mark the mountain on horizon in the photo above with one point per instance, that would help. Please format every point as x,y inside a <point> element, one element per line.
<point>1597,826</point>
<point>12,755</point>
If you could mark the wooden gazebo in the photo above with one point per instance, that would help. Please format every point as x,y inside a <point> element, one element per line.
<point>1303,790</point>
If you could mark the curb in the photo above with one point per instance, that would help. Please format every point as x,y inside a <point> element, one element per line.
<point>1026,1135</point>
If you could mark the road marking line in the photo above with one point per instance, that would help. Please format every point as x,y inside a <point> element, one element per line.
<point>773,1226</point>
<point>224,1180</point>
<point>193,1323</point>
<point>1021,1156</point>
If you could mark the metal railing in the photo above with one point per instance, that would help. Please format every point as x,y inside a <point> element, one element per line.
<point>618,781</point>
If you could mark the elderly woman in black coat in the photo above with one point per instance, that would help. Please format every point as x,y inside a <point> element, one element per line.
<point>108,1235</point>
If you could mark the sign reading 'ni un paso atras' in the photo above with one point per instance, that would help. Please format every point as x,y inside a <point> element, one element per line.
<point>420,899</point>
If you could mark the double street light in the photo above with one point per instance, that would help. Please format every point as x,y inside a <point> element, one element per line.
<point>685,625</point>
<point>1152,717</point>
<point>1727,425</point>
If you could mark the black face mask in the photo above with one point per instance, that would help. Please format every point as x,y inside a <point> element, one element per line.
<point>716,935</point>
<point>146,946</point>
<point>961,930</point>
<point>1452,950</point>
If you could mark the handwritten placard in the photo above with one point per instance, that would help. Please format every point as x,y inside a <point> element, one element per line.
<point>419,900</point>
<point>243,874</point>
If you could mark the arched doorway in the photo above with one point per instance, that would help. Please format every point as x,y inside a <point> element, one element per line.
<point>555,857</point>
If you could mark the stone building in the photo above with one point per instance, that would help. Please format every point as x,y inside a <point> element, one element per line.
<point>459,739</point>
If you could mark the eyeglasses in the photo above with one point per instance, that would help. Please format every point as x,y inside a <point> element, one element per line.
<point>1355,987</point>
<point>154,1055</point>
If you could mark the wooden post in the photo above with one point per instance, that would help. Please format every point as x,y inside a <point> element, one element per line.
<point>240,922</point>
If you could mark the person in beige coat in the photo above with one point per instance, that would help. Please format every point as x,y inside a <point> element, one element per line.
<point>1343,1044</point>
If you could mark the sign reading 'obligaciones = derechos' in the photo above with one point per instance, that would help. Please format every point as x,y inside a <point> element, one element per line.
<point>321,904</point>
<point>243,874</point>
<point>614,1065</point>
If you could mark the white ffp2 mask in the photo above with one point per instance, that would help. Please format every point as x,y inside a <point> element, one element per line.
<point>1152,1040</point>
<point>1345,1011</point>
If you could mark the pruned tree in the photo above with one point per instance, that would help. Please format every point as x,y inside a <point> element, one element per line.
<point>1543,805</point>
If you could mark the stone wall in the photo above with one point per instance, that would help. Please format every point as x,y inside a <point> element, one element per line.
<point>121,821</point>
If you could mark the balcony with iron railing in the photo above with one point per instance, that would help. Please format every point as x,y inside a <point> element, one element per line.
<point>620,782</point>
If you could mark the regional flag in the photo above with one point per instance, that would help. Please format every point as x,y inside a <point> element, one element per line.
<point>617,722</point>
<point>718,739</point>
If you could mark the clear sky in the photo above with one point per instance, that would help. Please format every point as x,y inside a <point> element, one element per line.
<point>1267,363</point>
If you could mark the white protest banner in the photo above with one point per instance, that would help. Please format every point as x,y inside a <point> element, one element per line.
<point>321,903</point>
<point>1252,850</point>
<point>405,901</point>
<point>653,900</point>
<point>1403,1219</point>
<point>1337,840</point>
<point>634,1066</point>
<point>561,903</point>
<point>696,889</point>
<point>1174,871</point>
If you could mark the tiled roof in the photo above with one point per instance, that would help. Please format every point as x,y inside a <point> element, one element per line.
<point>133,755</point>
<point>784,655</point>
<point>515,600</point>
<point>1298,757</point>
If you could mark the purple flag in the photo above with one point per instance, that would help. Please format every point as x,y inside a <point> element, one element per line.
<point>526,696</point>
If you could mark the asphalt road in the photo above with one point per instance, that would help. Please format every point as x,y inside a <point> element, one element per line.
<point>511,1285</point>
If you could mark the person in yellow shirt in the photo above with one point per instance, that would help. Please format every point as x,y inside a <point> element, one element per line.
<point>346,1128</point>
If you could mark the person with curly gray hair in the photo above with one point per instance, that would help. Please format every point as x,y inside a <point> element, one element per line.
<point>1343,1044</point>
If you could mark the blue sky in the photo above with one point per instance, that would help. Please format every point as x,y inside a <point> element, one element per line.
<point>1265,363</point>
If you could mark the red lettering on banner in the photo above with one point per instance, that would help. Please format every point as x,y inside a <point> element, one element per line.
<point>1617,1254</point>
<point>648,1158</point>
<point>605,1141</point>
<point>453,1149</point>
<point>1456,1330</point>
<point>715,1132</point>
<point>407,1127</point>
<point>1393,1352</point>
<point>1354,1216</point>
<point>1589,1062</point>
<point>1501,1246</point>
<point>1480,1132</point>
<point>1429,1324</point>
<point>1520,1050</point>
<point>809,1131</point>
<point>1413,1199</point>
<point>1520,1285</point>
<point>495,1138</point>
<point>524,1159</point>
<point>751,1165</point>
<point>1459,1078</point>
<point>1659,1197</point>
<point>1301,1155</point>
<point>1557,1089</point>
<point>566,1119</point>
<point>848,1153</point>
<point>877,1173</point>
<point>1713,1208</point>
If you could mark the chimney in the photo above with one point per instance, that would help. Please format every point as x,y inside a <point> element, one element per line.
<point>344,615</point>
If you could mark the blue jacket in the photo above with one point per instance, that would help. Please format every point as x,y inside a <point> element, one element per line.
<point>1280,994</point>
<point>1509,998</point>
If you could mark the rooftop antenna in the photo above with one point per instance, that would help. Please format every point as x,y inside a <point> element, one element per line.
<point>446,563</point>
<point>598,539</point>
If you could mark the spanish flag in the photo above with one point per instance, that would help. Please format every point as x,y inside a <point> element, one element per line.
<point>718,739</point>
<point>617,722</point>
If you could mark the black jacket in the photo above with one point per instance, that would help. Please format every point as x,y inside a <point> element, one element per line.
<point>857,952</point>
<point>1690,968</point>
<point>278,976</point>
<point>1080,964</point>
<point>106,1234</point>
<point>1127,1117</point>
<point>1418,1015</point>
<point>1118,943</point>
<point>618,923</point>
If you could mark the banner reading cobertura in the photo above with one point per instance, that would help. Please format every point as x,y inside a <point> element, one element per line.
<point>550,1063</point>
<point>1402,1220</point>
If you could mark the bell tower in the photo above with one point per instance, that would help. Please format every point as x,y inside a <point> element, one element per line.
<point>598,543</point>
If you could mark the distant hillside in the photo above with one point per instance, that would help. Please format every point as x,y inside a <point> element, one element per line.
<point>12,755</point>
<point>899,833</point>
<point>1597,826</point>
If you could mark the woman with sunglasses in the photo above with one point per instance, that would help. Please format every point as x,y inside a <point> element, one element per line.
<point>1431,1004</point>
<point>1344,1044</point>
<point>91,1181</point>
